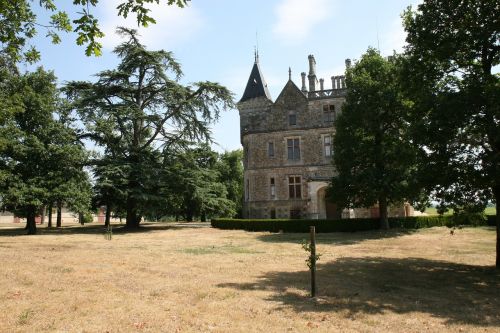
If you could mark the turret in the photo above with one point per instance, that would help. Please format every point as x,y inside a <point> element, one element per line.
<point>256,85</point>
<point>321,84</point>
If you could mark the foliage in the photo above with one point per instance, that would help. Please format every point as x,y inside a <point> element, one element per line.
<point>351,225</point>
<point>230,168</point>
<point>307,247</point>
<point>40,158</point>
<point>19,23</point>
<point>452,48</point>
<point>196,183</point>
<point>139,113</point>
<point>374,159</point>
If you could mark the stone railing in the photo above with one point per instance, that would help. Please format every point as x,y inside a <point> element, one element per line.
<point>329,93</point>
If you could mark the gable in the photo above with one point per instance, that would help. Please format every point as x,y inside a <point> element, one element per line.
<point>290,96</point>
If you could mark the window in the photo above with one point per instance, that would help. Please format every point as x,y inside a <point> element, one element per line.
<point>272,188</point>
<point>292,119</point>
<point>270,149</point>
<point>294,187</point>
<point>327,146</point>
<point>328,113</point>
<point>293,148</point>
<point>272,213</point>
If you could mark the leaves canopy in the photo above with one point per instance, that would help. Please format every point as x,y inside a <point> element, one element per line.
<point>452,49</point>
<point>374,159</point>
<point>40,159</point>
<point>20,23</point>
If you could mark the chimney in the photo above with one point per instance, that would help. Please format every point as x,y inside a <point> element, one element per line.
<point>347,63</point>
<point>321,84</point>
<point>342,81</point>
<point>303,74</point>
<point>333,82</point>
<point>312,73</point>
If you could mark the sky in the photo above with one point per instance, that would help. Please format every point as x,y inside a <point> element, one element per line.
<point>215,41</point>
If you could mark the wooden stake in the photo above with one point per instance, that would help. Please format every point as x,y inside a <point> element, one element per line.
<point>313,261</point>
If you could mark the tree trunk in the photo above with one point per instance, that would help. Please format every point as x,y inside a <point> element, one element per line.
<point>49,223</point>
<point>80,219</point>
<point>133,219</point>
<point>382,206</point>
<point>203,217</point>
<point>496,193</point>
<point>108,216</point>
<point>30,221</point>
<point>189,215</point>
<point>42,214</point>
<point>59,215</point>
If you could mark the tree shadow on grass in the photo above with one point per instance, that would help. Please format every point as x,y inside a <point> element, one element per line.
<point>461,294</point>
<point>337,238</point>
<point>92,228</point>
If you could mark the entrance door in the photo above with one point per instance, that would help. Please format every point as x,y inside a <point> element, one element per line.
<point>332,213</point>
<point>326,209</point>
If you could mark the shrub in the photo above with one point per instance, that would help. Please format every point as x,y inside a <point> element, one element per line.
<point>352,225</point>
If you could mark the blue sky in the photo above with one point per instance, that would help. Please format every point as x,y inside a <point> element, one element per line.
<point>214,40</point>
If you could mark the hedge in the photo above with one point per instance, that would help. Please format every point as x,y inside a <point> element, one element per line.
<point>350,225</point>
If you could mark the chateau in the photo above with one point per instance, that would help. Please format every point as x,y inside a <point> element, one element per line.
<point>287,147</point>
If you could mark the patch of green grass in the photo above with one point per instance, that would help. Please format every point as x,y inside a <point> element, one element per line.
<point>491,210</point>
<point>24,317</point>
<point>433,211</point>
<point>224,249</point>
<point>61,269</point>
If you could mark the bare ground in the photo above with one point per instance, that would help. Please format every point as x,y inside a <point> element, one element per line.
<point>186,278</point>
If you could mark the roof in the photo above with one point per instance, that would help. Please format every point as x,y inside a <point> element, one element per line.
<point>290,89</point>
<point>256,85</point>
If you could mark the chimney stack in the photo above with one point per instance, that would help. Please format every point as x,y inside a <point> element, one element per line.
<point>347,63</point>
<point>321,84</point>
<point>312,73</point>
<point>304,88</point>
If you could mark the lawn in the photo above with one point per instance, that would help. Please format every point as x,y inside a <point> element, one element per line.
<point>490,210</point>
<point>181,278</point>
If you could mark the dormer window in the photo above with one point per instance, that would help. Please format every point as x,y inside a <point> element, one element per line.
<point>329,113</point>
<point>292,119</point>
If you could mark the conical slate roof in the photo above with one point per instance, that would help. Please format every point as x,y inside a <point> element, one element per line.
<point>256,86</point>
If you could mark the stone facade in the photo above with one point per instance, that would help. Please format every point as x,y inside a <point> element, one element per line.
<point>287,147</point>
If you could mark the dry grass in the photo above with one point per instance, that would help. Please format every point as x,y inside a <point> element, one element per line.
<point>183,279</point>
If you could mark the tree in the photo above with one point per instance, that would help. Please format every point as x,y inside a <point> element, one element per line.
<point>373,159</point>
<point>110,186</point>
<point>40,157</point>
<point>230,168</point>
<point>19,24</point>
<point>196,186</point>
<point>136,112</point>
<point>453,46</point>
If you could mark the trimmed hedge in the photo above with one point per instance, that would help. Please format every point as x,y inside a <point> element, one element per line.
<point>350,225</point>
<point>491,220</point>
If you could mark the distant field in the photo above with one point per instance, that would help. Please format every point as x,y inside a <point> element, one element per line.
<point>191,278</point>
<point>433,211</point>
